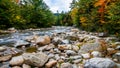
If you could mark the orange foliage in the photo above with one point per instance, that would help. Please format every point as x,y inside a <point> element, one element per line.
<point>101,10</point>
<point>17,1</point>
<point>99,3</point>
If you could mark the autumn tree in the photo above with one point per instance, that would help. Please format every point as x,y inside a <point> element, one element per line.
<point>98,15</point>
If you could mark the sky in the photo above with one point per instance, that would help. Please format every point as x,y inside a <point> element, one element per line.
<point>60,5</point>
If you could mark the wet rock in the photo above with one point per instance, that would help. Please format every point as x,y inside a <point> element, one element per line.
<point>35,59</point>
<point>20,43</point>
<point>16,61</point>
<point>99,63</point>
<point>26,66</point>
<point>51,64</point>
<point>90,47</point>
<point>96,54</point>
<point>2,49</point>
<point>86,55</point>
<point>66,65</point>
<point>5,58</point>
<point>70,52</point>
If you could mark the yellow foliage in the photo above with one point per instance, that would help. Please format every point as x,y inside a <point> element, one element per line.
<point>82,19</point>
<point>17,17</point>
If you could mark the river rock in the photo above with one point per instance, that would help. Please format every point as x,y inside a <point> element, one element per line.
<point>77,61</point>
<point>96,54</point>
<point>90,47</point>
<point>16,61</point>
<point>75,57</point>
<point>20,43</point>
<point>75,48</point>
<point>2,49</point>
<point>72,37</point>
<point>26,66</point>
<point>117,56</point>
<point>5,58</point>
<point>118,48</point>
<point>65,47</point>
<point>12,29</point>
<point>35,59</point>
<point>70,52</point>
<point>16,67</point>
<point>75,30</point>
<point>103,34</point>
<point>99,63</point>
<point>51,64</point>
<point>86,55</point>
<point>43,40</point>
<point>66,65</point>
<point>50,46</point>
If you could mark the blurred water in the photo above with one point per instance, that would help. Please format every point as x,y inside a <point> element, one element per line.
<point>11,39</point>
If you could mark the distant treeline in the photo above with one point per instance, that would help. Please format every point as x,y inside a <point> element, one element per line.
<point>25,14</point>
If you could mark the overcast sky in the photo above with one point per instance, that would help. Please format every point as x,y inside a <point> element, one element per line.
<point>60,5</point>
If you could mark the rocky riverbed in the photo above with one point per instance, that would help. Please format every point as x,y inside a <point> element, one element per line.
<point>58,47</point>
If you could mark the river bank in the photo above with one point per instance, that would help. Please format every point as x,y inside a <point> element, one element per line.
<point>58,47</point>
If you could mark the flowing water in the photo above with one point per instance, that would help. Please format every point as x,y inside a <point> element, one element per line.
<point>20,35</point>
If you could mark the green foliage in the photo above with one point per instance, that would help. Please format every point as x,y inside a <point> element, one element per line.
<point>29,14</point>
<point>97,15</point>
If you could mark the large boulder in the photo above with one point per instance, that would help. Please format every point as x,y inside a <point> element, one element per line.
<point>99,63</point>
<point>90,47</point>
<point>35,59</point>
